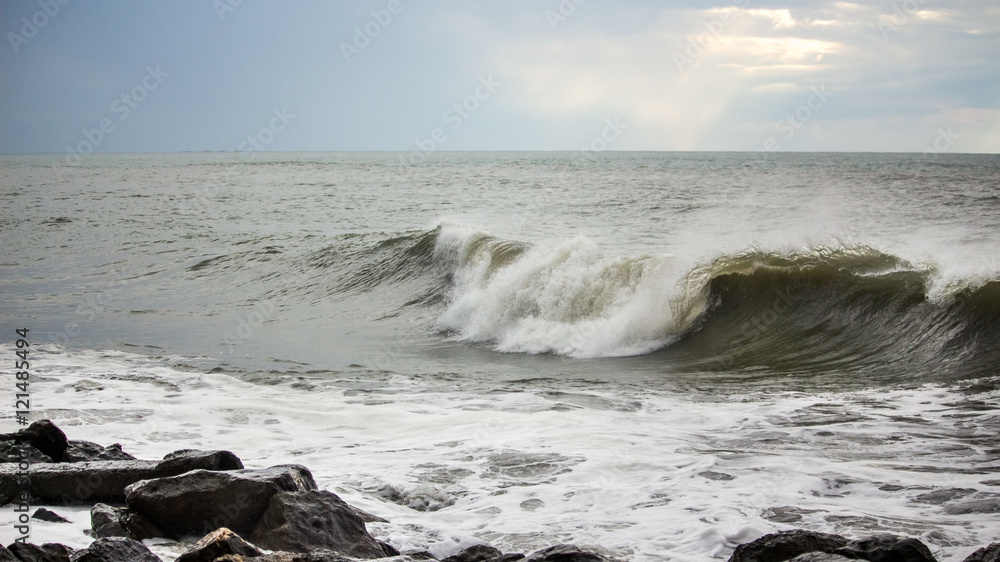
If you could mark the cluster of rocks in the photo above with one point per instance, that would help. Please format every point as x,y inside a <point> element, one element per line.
<point>810,546</point>
<point>278,514</point>
<point>275,514</point>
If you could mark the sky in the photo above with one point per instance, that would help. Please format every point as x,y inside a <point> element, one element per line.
<point>80,76</point>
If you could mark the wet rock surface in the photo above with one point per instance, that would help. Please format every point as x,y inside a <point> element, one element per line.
<point>200,501</point>
<point>314,520</point>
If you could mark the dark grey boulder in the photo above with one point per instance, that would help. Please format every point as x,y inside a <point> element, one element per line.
<point>887,548</point>
<point>388,549</point>
<point>477,553</point>
<point>216,544</point>
<point>85,451</point>
<point>43,514</point>
<point>509,557</point>
<point>786,545</point>
<point>103,481</point>
<point>986,554</point>
<point>6,555</point>
<point>368,517</point>
<point>312,520</point>
<point>564,553</point>
<point>41,553</point>
<point>179,461</point>
<point>42,435</point>
<point>43,442</point>
<point>198,502</point>
<point>115,549</point>
<point>314,556</point>
<point>108,521</point>
<point>17,451</point>
<point>820,557</point>
<point>419,555</point>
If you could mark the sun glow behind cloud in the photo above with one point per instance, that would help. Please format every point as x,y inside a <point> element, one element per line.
<point>713,75</point>
<point>735,65</point>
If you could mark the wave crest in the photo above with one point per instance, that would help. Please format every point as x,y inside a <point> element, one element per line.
<point>814,309</point>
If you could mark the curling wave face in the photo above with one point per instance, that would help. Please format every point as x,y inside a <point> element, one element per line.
<point>813,310</point>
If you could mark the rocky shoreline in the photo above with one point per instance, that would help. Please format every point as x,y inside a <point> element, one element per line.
<point>278,514</point>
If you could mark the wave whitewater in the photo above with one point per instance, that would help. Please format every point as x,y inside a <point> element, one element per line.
<point>813,310</point>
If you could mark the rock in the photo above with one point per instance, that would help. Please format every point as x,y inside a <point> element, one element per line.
<point>315,556</point>
<point>218,543</point>
<point>115,549</point>
<point>778,547</point>
<point>6,555</point>
<point>387,549</point>
<point>368,517</point>
<point>16,451</point>
<point>45,553</point>
<point>200,501</point>
<point>419,555</point>
<point>986,554</point>
<point>477,553</point>
<point>43,514</point>
<point>42,435</point>
<point>108,521</point>
<point>179,461</point>
<point>313,520</point>
<point>511,557</point>
<point>103,481</point>
<point>564,553</point>
<point>820,557</point>
<point>887,548</point>
<point>84,451</point>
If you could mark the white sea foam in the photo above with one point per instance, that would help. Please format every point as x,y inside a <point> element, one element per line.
<point>647,475</point>
<point>569,299</point>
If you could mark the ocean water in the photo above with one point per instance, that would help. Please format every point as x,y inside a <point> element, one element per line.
<point>654,355</point>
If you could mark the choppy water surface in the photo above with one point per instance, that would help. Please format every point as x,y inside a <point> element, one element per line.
<point>659,354</point>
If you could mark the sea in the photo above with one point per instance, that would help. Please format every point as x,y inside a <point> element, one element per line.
<point>654,356</point>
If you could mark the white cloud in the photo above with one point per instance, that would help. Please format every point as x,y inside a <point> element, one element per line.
<point>745,74</point>
<point>780,19</point>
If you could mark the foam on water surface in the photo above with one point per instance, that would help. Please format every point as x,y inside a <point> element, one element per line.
<point>645,474</point>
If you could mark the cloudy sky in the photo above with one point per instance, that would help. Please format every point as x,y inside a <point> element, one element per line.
<point>814,75</point>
